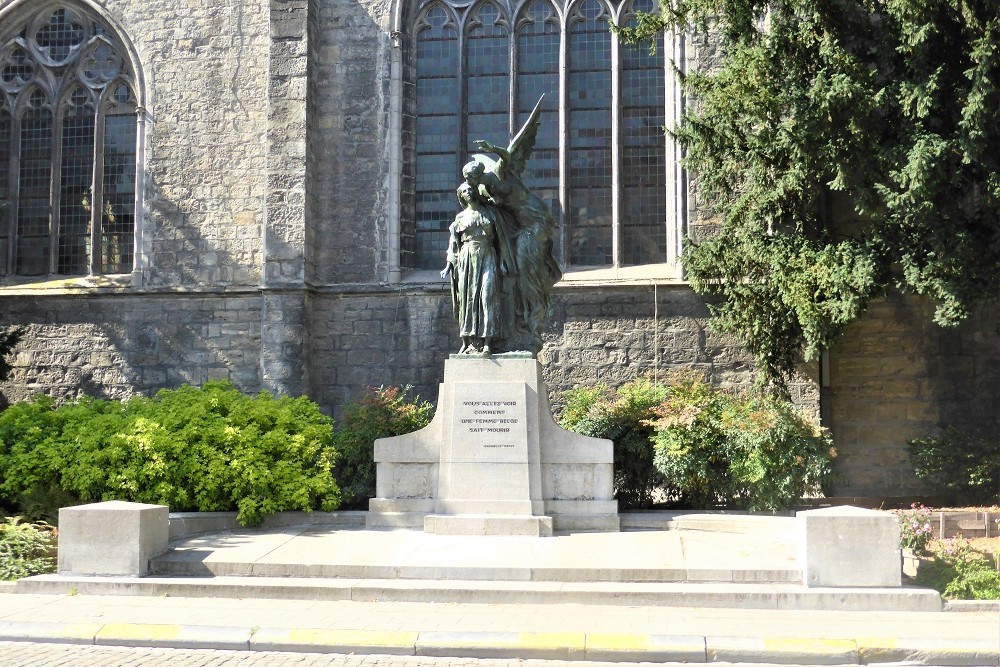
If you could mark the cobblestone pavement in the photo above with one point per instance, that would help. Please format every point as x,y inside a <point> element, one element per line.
<point>23,654</point>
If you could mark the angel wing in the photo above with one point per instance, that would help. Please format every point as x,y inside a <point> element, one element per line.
<point>524,141</point>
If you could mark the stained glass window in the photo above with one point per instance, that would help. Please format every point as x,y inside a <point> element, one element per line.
<point>644,160</point>
<point>601,158</point>
<point>438,95</point>
<point>68,129</point>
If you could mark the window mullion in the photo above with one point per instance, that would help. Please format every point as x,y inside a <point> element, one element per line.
<point>564,200</point>
<point>463,88</point>
<point>13,191</point>
<point>676,178</point>
<point>55,183</point>
<point>513,69</point>
<point>97,190</point>
<point>616,152</point>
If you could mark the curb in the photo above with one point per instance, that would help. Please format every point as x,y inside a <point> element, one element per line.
<point>524,645</point>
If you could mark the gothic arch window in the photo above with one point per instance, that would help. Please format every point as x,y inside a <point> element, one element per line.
<point>601,158</point>
<point>68,138</point>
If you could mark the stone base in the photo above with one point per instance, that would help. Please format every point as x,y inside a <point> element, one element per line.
<point>488,524</point>
<point>834,540</point>
<point>111,538</point>
<point>493,454</point>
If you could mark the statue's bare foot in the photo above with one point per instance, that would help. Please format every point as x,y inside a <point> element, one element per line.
<point>486,350</point>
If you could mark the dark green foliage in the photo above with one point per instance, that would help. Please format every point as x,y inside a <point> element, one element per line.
<point>745,451</point>
<point>208,449</point>
<point>848,146</point>
<point>381,413</point>
<point>966,464</point>
<point>622,417</point>
<point>8,341</point>
<point>26,549</point>
<point>960,572</point>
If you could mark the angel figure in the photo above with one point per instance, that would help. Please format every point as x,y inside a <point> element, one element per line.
<point>530,226</point>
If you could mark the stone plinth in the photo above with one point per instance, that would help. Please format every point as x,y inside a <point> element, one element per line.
<point>492,461</point>
<point>111,538</point>
<point>849,546</point>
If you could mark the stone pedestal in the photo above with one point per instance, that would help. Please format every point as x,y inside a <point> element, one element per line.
<point>111,538</point>
<point>492,461</point>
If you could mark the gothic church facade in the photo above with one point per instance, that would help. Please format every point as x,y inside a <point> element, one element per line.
<point>259,191</point>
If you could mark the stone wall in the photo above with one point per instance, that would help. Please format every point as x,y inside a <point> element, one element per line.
<point>896,375</point>
<point>599,334</point>
<point>349,225</point>
<point>206,75</point>
<point>114,345</point>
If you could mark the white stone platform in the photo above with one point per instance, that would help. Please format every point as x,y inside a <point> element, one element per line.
<point>686,559</point>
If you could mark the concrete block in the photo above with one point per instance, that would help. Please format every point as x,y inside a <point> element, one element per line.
<point>645,648</point>
<point>323,640</point>
<point>503,645</point>
<point>782,650</point>
<point>111,538</point>
<point>174,636</point>
<point>849,546</point>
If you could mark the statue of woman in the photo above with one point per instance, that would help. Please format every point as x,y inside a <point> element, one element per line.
<point>477,262</point>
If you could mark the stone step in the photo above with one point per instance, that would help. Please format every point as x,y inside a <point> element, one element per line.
<point>732,595</point>
<point>193,564</point>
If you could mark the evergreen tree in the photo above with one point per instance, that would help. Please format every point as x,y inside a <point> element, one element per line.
<point>8,341</point>
<point>848,147</point>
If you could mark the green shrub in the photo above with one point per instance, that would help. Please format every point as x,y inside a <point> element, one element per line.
<point>965,464</point>
<point>26,549</point>
<point>381,413</point>
<point>960,572</point>
<point>208,449</point>
<point>744,450</point>
<point>8,341</point>
<point>622,416</point>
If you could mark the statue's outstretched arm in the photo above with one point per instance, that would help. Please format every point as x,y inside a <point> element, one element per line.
<point>486,146</point>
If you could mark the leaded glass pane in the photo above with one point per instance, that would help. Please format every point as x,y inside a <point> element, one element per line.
<point>537,74</point>
<point>17,69</point>
<point>488,78</point>
<point>61,35</point>
<point>644,164</point>
<point>438,133</point>
<point>34,183</point>
<point>75,182</point>
<point>589,94</point>
<point>117,212</point>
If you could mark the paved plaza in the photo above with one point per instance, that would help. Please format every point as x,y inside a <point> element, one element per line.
<point>717,590</point>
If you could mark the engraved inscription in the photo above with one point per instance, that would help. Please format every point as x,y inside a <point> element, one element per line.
<point>490,417</point>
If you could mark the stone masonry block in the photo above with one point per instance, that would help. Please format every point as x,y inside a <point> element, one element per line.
<point>849,546</point>
<point>111,538</point>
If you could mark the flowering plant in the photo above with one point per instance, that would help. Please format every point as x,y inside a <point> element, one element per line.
<point>915,531</point>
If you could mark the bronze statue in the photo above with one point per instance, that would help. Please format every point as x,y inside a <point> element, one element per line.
<point>519,289</point>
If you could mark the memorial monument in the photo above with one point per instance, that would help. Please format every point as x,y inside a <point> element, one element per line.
<point>492,461</point>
